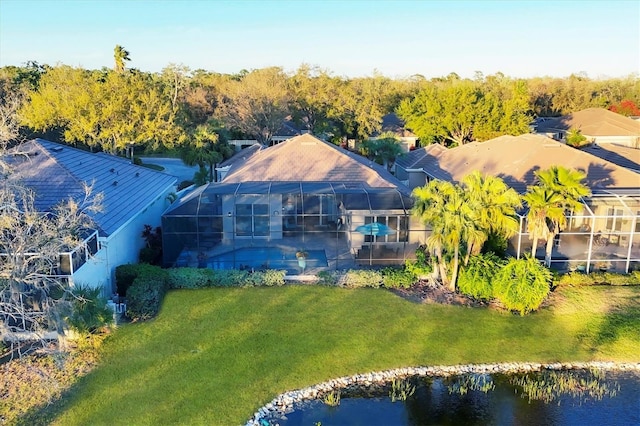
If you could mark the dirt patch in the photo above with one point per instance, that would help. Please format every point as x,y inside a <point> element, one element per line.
<point>427,292</point>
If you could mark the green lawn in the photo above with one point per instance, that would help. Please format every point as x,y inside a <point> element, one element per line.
<point>214,356</point>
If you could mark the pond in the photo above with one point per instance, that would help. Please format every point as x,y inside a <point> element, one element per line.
<point>577,397</point>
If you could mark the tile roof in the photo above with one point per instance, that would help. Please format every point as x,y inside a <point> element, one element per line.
<point>623,156</point>
<point>241,156</point>
<point>420,157</point>
<point>55,172</point>
<point>515,158</point>
<point>593,122</point>
<point>306,158</point>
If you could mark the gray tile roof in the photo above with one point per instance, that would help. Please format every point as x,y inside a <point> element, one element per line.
<point>623,156</point>
<point>593,122</point>
<point>306,158</point>
<point>420,157</point>
<point>515,158</point>
<point>55,172</point>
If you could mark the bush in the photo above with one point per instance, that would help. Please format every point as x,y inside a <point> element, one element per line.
<point>137,161</point>
<point>190,277</point>
<point>149,255</point>
<point>273,277</point>
<point>144,297</point>
<point>421,266</point>
<point>475,279</point>
<point>356,278</point>
<point>126,274</point>
<point>89,311</point>
<point>598,278</point>
<point>327,278</point>
<point>398,278</point>
<point>184,184</point>
<point>522,284</point>
<point>229,278</point>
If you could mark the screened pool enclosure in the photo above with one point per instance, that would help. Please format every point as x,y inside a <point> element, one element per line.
<point>604,235</point>
<point>302,227</point>
<point>307,227</point>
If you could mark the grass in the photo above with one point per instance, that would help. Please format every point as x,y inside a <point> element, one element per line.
<point>214,356</point>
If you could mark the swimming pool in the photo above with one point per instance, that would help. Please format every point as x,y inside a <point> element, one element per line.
<point>267,258</point>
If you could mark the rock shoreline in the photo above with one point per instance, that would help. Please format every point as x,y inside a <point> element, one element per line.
<point>284,403</point>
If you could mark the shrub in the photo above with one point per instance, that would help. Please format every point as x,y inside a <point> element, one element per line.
<point>327,278</point>
<point>229,278</point>
<point>598,278</point>
<point>144,297</point>
<point>522,284</point>
<point>89,311</point>
<point>421,266</point>
<point>273,277</point>
<point>137,161</point>
<point>356,278</point>
<point>190,277</point>
<point>475,278</point>
<point>398,278</point>
<point>126,274</point>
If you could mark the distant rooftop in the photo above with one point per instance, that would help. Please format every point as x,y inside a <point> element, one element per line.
<point>593,122</point>
<point>516,158</point>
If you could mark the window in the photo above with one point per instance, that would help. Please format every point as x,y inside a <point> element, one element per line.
<point>252,220</point>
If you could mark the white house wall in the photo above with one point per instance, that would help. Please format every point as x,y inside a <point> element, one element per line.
<point>120,248</point>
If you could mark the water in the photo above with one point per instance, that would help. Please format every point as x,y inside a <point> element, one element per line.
<point>268,258</point>
<point>611,399</point>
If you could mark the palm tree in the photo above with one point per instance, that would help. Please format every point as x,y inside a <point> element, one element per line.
<point>443,206</point>
<point>207,148</point>
<point>559,190</point>
<point>494,209</point>
<point>428,206</point>
<point>120,55</point>
<point>544,207</point>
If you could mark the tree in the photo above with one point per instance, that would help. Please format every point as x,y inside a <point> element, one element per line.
<point>443,206</point>
<point>576,139</point>
<point>33,298</point>
<point>206,148</point>
<point>494,207</point>
<point>257,105</point>
<point>454,111</point>
<point>111,111</point>
<point>557,191</point>
<point>626,108</point>
<point>10,103</point>
<point>314,91</point>
<point>443,113</point>
<point>383,150</point>
<point>120,55</point>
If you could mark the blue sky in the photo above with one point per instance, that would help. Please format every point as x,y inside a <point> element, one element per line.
<point>349,38</point>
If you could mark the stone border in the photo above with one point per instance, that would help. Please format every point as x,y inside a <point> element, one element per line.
<point>283,403</point>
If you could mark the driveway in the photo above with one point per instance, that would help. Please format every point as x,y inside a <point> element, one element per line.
<point>173,166</point>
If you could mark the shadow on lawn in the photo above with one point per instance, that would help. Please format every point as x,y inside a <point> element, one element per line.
<point>622,319</point>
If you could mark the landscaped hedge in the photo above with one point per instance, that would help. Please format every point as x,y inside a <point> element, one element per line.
<point>598,278</point>
<point>126,274</point>
<point>145,296</point>
<point>356,278</point>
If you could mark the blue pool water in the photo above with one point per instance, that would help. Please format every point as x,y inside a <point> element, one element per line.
<point>267,258</point>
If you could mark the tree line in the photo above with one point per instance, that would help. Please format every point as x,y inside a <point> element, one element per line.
<point>119,109</point>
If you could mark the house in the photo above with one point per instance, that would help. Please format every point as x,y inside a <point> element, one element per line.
<point>133,196</point>
<point>303,195</point>
<point>288,130</point>
<point>604,233</point>
<point>391,123</point>
<point>598,125</point>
